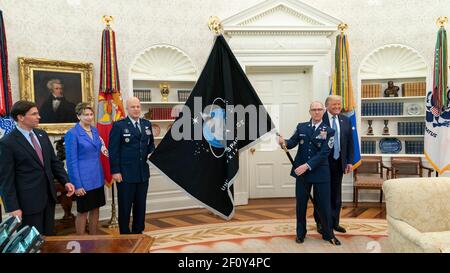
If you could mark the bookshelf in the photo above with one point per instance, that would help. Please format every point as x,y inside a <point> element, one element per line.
<point>394,136</point>
<point>404,116</point>
<point>392,87</point>
<point>394,117</point>
<point>157,66</point>
<point>394,155</point>
<point>153,66</point>
<point>161,113</point>
<point>393,98</point>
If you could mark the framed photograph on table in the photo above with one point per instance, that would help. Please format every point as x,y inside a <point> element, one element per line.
<point>56,87</point>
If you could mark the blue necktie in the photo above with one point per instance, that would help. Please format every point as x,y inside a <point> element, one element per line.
<point>136,125</point>
<point>337,149</point>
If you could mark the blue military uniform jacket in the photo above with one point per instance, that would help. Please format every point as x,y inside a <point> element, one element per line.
<point>129,150</point>
<point>314,148</point>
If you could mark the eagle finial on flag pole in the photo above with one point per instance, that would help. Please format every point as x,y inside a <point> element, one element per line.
<point>110,106</point>
<point>441,21</point>
<point>342,27</point>
<point>215,25</point>
<point>107,19</point>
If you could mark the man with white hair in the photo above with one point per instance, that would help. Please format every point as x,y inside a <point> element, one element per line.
<point>130,144</point>
<point>315,140</point>
<point>57,109</point>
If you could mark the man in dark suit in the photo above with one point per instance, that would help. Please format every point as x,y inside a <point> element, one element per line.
<point>56,109</point>
<point>130,144</point>
<point>28,167</point>
<point>340,158</point>
<point>314,140</point>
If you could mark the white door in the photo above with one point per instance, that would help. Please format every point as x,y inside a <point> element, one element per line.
<point>286,92</point>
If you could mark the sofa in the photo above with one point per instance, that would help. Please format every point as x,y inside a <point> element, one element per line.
<point>418,214</point>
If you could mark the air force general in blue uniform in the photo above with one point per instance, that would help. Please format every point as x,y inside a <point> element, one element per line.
<point>130,143</point>
<point>315,142</point>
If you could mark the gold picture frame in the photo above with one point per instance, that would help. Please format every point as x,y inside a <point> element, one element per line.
<point>74,78</point>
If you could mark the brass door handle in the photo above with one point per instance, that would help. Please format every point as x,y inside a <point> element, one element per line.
<point>252,150</point>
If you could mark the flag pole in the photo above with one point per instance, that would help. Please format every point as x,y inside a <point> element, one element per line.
<point>283,146</point>
<point>441,21</point>
<point>215,25</point>
<point>113,223</point>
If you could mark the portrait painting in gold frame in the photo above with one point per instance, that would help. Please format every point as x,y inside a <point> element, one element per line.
<point>56,87</point>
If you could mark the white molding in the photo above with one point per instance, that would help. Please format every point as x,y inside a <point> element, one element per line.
<point>372,69</point>
<point>283,8</point>
<point>163,62</point>
<point>257,19</point>
<point>278,31</point>
<point>393,61</point>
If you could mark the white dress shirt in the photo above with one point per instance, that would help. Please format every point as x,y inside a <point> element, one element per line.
<point>330,118</point>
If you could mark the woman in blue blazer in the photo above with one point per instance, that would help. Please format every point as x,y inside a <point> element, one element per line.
<point>83,149</point>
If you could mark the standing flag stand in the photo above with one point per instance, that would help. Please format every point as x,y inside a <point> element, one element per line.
<point>342,86</point>
<point>437,119</point>
<point>110,106</point>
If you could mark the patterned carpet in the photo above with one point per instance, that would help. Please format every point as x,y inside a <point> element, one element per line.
<point>270,236</point>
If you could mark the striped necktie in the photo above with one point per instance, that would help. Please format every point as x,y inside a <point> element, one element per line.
<point>37,148</point>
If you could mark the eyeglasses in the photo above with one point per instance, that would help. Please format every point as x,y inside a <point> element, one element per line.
<point>316,110</point>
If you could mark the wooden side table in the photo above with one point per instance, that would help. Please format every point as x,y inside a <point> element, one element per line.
<point>136,243</point>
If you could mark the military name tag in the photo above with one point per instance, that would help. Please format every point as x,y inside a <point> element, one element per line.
<point>126,135</point>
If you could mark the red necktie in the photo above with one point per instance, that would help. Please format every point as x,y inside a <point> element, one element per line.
<point>37,148</point>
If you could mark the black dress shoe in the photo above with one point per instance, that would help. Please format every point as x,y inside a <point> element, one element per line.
<point>335,241</point>
<point>340,229</point>
<point>299,240</point>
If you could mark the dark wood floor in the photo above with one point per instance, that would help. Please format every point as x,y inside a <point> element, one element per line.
<point>257,209</point>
